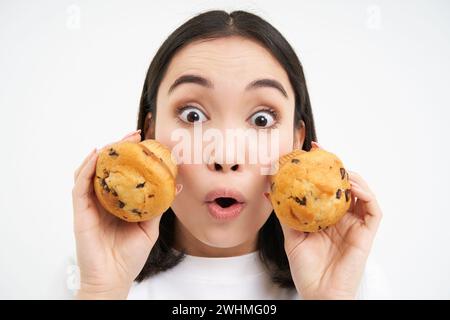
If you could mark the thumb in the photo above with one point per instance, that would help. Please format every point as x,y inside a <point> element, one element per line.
<point>292,236</point>
<point>151,228</point>
<point>288,232</point>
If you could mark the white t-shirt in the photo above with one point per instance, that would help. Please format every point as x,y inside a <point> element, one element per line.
<point>240,277</point>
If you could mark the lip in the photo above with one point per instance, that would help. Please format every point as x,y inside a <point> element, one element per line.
<point>224,193</point>
<point>230,212</point>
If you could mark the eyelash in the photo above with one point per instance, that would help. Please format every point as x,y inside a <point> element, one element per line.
<point>272,112</point>
<point>180,110</point>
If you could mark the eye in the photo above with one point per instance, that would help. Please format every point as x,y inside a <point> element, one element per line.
<point>264,118</point>
<point>191,114</point>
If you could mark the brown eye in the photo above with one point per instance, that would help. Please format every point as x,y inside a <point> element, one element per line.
<point>191,115</point>
<point>263,119</point>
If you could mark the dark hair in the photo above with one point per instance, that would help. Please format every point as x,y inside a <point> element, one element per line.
<point>212,25</point>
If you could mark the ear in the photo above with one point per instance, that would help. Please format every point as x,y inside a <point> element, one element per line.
<point>299,135</point>
<point>149,126</point>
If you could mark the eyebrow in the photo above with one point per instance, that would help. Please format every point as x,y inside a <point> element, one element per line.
<point>260,83</point>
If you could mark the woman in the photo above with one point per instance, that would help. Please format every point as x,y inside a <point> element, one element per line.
<point>223,71</point>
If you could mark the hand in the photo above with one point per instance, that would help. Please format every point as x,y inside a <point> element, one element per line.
<point>329,264</point>
<point>110,252</point>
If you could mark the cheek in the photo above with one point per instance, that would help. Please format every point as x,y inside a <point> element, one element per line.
<point>286,139</point>
<point>163,134</point>
<point>165,126</point>
<point>188,203</point>
<point>269,149</point>
<point>191,176</point>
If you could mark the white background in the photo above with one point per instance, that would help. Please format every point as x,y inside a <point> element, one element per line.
<point>378,73</point>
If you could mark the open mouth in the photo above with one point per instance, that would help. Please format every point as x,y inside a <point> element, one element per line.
<point>225,208</point>
<point>225,202</point>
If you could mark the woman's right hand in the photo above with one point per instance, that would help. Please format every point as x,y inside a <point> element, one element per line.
<point>110,252</point>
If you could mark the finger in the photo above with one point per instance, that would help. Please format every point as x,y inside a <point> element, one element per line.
<point>83,183</point>
<point>132,137</point>
<point>352,201</point>
<point>355,177</point>
<point>371,210</point>
<point>132,134</point>
<point>77,171</point>
<point>151,228</point>
<point>292,238</point>
<point>316,145</point>
<point>353,185</point>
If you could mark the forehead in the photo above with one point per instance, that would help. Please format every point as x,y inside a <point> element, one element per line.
<point>231,60</point>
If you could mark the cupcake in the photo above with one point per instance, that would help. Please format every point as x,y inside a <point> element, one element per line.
<point>310,190</point>
<point>135,181</point>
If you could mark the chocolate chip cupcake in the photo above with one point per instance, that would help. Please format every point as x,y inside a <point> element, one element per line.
<point>311,190</point>
<point>135,181</point>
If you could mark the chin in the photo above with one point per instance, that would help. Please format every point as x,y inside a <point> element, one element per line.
<point>222,240</point>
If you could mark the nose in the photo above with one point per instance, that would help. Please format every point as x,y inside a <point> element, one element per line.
<point>215,166</point>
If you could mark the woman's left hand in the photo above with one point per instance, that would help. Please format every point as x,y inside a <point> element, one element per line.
<point>329,264</point>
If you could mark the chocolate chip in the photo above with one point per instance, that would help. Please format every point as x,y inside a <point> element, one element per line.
<point>104,185</point>
<point>121,204</point>
<point>347,194</point>
<point>113,153</point>
<point>125,217</point>
<point>114,193</point>
<point>151,195</point>
<point>160,159</point>
<point>347,176</point>
<point>147,152</point>
<point>136,211</point>
<point>272,186</point>
<point>301,201</point>
<point>140,185</point>
<point>342,173</point>
<point>319,228</point>
<point>295,160</point>
<point>278,202</point>
<point>338,194</point>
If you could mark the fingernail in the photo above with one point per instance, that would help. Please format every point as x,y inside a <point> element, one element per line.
<point>132,134</point>
<point>316,144</point>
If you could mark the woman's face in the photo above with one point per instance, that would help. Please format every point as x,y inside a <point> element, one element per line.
<point>224,102</point>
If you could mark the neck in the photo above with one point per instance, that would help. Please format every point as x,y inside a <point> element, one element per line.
<point>185,241</point>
